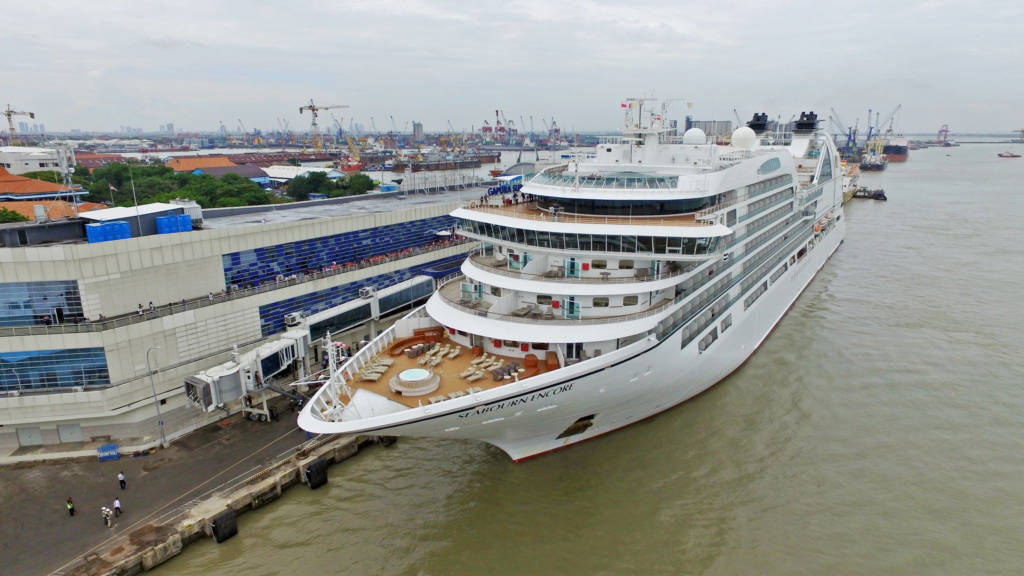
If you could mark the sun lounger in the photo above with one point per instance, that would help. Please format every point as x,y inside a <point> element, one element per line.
<point>456,394</point>
<point>435,362</point>
<point>474,389</point>
<point>467,372</point>
<point>436,399</point>
<point>476,376</point>
<point>369,377</point>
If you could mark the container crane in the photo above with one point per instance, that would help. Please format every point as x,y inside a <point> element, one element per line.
<point>318,146</point>
<point>11,113</point>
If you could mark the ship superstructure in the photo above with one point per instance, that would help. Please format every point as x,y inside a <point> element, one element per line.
<point>610,288</point>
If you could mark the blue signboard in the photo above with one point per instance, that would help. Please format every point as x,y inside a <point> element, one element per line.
<point>108,452</point>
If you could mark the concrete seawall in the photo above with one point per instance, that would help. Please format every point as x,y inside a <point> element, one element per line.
<point>155,543</point>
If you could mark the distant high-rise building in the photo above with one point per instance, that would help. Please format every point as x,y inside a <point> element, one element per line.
<point>170,128</point>
<point>716,129</point>
<point>23,127</point>
<point>417,131</point>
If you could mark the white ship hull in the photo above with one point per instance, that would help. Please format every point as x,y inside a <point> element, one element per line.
<point>526,418</point>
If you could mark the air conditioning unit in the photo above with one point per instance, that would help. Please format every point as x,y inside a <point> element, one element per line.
<point>293,319</point>
<point>367,292</point>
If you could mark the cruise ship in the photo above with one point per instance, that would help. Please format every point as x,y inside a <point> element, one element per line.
<point>609,288</point>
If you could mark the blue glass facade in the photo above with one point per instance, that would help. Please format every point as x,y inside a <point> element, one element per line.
<point>272,315</point>
<point>27,303</point>
<point>53,369</point>
<point>251,267</point>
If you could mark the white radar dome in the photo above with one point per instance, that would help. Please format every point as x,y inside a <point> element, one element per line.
<point>695,136</point>
<point>745,138</point>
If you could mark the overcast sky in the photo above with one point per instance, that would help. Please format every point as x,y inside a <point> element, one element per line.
<point>101,65</point>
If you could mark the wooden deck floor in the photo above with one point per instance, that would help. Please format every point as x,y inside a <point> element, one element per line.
<point>448,370</point>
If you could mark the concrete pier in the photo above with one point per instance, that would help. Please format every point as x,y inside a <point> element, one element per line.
<point>169,501</point>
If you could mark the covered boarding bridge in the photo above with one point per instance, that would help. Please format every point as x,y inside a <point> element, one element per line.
<point>248,377</point>
<point>370,306</point>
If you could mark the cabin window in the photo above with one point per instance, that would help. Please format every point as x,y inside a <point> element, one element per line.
<point>599,264</point>
<point>462,333</point>
<point>600,302</point>
<point>495,291</point>
<point>543,299</point>
<point>510,344</point>
<point>630,300</point>
<point>540,345</point>
<point>625,264</point>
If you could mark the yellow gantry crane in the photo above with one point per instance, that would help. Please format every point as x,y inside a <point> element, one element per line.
<point>11,113</point>
<point>318,145</point>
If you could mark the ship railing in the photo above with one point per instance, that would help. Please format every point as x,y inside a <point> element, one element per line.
<point>558,275</point>
<point>451,297</point>
<point>108,323</point>
<point>530,211</point>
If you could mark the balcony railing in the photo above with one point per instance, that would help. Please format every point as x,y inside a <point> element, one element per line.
<point>557,274</point>
<point>451,293</point>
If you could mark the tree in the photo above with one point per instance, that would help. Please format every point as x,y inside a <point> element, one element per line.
<point>359,183</point>
<point>302,186</point>
<point>7,216</point>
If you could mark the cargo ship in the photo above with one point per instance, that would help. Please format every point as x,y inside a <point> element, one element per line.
<point>896,149</point>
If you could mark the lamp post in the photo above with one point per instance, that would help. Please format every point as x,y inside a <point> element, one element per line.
<point>156,402</point>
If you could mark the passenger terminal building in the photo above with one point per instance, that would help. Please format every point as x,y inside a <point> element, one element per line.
<point>80,340</point>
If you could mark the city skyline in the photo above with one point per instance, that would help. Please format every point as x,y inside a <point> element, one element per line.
<point>200,64</point>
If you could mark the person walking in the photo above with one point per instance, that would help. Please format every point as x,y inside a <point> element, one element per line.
<point>151,307</point>
<point>121,480</point>
<point>71,507</point>
<point>117,507</point>
<point>105,512</point>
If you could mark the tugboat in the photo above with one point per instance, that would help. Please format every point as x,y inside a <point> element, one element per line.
<point>878,194</point>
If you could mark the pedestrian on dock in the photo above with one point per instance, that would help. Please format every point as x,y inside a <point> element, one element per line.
<point>151,307</point>
<point>105,512</point>
<point>121,480</point>
<point>117,507</point>
<point>71,507</point>
<point>140,309</point>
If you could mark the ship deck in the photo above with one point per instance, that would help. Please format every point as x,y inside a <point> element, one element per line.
<point>450,385</point>
<point>530,211</point>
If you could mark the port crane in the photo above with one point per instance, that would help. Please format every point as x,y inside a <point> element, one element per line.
<point>318,146</point>
<point>890,119</point>
<point>851,133</point>
<point>10,114</point>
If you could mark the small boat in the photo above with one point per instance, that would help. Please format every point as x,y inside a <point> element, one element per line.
<point>1008,154</point>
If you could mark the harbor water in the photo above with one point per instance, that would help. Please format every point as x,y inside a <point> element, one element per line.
<point>878,430</point>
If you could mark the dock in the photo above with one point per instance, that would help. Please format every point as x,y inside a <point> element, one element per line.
<point>194,489</point>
